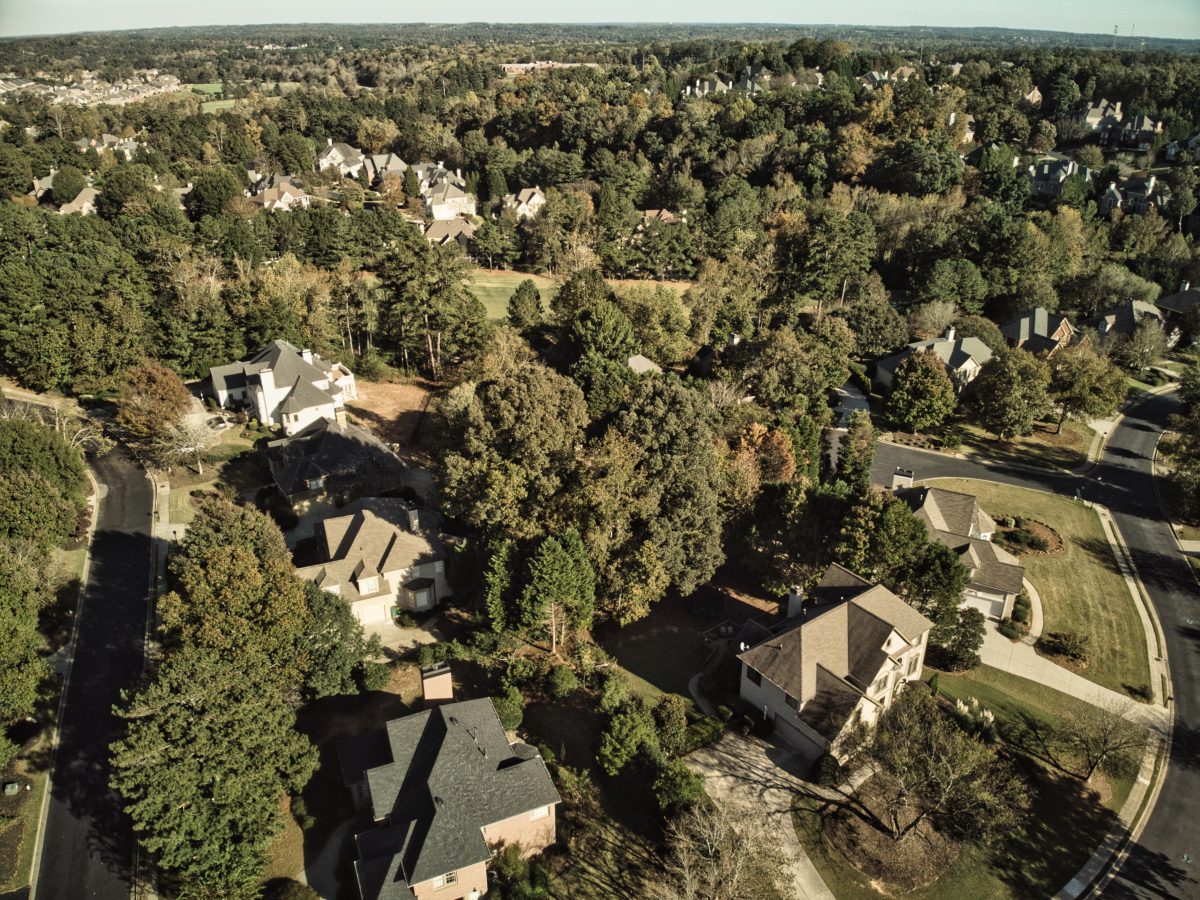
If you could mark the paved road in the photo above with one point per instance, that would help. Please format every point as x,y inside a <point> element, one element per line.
<point>88,845</point>
<point>1158,865</point>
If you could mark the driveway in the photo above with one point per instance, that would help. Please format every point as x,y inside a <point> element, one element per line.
<point>1165,859</point>
<point>88,842</point>
<point>746,771</point>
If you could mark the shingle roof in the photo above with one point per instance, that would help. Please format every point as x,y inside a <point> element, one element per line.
<point>452,773</point>
<point>1036,324</point>
<point>954,353</point>
<point>1181,303</point>
<point>371,537</point>
<point>285,362</point>
<point>342,454</point>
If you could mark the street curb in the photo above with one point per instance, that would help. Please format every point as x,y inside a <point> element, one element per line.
<point>1122,412</point>
<point>39,838</point>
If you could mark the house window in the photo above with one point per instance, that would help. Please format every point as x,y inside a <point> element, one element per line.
<point>880,684</point>
<point>540,813</point>
<point>368,586</point>
<point>442,881</point>
<point>912,664</point>
<point>753,676</point>
<point>792,702</point>
<point>439,567</point>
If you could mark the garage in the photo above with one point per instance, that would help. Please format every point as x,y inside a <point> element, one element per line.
<point>373,612</point>
<point>809,747</point>
<point>991,607</point>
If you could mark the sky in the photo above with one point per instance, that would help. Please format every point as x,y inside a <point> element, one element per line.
<point>1146,18</point>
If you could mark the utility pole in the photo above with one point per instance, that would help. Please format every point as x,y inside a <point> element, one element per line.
<point>1115,29</point>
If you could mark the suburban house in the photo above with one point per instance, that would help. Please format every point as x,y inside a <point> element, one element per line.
<point>446,789</point>
<point>381,555</point>
<point>43,186</point>
<point>1101,116</point>
<point>1039,331</point>
<point>430,175</point>
<point>380,164</point>
<point>330,463</point>
<point>837,660</point>
<point>642,365</point>
<point>282,385</point>
<point>1034,97</point>
<point>283,194</point>
<point>702,87</point>
<point>976,156</point>
<point>448,201</point>
<point>874,79</point>
<point>661,216</point>
<point>526,203</point>
<point>1048,174</point>
<point>1135,132</point>
<point>1134,195</point>
<point>347,160</point>
<point>1177,307</point>
<point>956,520</point>
<point>1189,148</point>
<point>1124,318</point>
<point>444,231</point>
<point>84,203</point>
<point>754,80</point>
<point>968,126</point>
<point>963,358</point>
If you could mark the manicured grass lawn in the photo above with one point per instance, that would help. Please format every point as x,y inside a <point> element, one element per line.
<point>1065,824</point>
<point>661,652</point>
<point>229,463</point>
<point>1080,588</point>
<point>212,106</point>
<point>208,87</point>
<point>17,836</point>
<point>1043,447</point>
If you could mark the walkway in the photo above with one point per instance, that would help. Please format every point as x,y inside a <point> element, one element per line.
<point>740,771</point>
<point>850,400</point>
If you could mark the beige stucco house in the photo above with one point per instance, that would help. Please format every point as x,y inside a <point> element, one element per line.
<point>283,385</point>
<point>963,358</point>
<point>837,660</point>
<point>381,555</point>
<point>446,789</point>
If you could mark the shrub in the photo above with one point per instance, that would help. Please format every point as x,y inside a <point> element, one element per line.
<point>1021,613</point>
<point>287,889</point>
<point>1140,692</point>
<point>701,732</point>
<point>676,787</point>
<point>405,619</point>
<point>510,707</point>
<point>613,693</point>
<point>725,713</point>
<point>520,670</point>
<point>670,719</point>
<point>562,682</point>
<point>975,719</point>
<point>933,684</point>
<point>827,770</point>
<point>373,675</point>
<point>426,655</point>
<point>301,814</point>
<point>1010,630</point>
<point>1071,644</point>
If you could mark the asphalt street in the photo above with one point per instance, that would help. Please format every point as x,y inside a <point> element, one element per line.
<point>1165,861</point>
<point>88,843</point>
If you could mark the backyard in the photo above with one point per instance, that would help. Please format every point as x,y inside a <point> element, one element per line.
<point>232,462</point>
<point>393,410</point>
<point>1081,588</point>
<point>1066,822</point>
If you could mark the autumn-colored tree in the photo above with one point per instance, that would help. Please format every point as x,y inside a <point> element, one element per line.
<point>152,400</point>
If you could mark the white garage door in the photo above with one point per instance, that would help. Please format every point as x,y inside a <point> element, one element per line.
<point>993,609</point>
<point>374,612</point>
<point>797,738</point>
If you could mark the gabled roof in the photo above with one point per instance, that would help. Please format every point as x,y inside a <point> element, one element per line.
<point>285,362</point>
<point>1123,319</point>
<point>452,773</point>
<point>643,365</point>
<point>445,230</point>
<point>1180,303</point>
<point>841,631</point>
<point>1035,329</point>
<point>335,452</point>
<point>954,353</point>
<point>372,537</point>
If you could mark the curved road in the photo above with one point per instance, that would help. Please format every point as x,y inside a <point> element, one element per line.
<point>87,848</point>
<point>1165,861</point>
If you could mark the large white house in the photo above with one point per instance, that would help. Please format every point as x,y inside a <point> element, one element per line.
<point>381,556</point>
<point>837,660</point>
<point>282,385</point>
<point>348,160</point>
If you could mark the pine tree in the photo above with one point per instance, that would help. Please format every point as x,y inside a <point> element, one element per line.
<point>497,583</point>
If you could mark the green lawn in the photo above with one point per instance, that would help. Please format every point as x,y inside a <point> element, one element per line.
<point>1080,588</point>
<point>208,87</point>
<point>1044,447</point>
<point>213,106</point>
<point>1065,823</point>
<point>23,829</point>
<point>495,286</point>
<point>233,461</point>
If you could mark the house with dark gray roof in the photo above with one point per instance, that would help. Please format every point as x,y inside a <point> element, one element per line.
<point>283,385</point>
<point>963,358</point>
<point>956,520</point>
<point>837,660</point>
<point>1039,331</point>
<point>446,789</point>
<point>381,554</point>
<point>1123,318</point>
<point>1177,307</point>
<point>332,463</point>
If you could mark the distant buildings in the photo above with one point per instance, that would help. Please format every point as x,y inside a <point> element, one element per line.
<point>348,161</point>
<point>90,90</point>
<point>1049,173</point>
<point>1134,195</point>
<point>526,203</point>
<point>543,65</point>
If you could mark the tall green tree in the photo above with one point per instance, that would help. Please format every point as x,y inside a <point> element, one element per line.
<point>856,452</point>
<point>923,395</point>
<point>560,589</point>
<point>341,659</point>
<point>525,306</point>
<point>1084,385</point>
<point>1010,393</point>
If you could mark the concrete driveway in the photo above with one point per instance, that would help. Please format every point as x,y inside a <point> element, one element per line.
<point>748,771</point>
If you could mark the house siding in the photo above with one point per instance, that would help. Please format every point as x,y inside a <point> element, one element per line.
<point>472,882</point>
<point>533,835</point>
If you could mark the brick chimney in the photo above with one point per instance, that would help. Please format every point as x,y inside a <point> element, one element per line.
<point>414,520</point>
<point>437,686</point>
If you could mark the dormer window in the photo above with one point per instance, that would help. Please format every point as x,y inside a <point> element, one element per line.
<point>368,585</point>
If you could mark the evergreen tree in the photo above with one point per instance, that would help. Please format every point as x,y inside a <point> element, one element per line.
<point>856,452</point>
<point>497,585</point>
<point>525,306</point>
<point>923,395</point>
<point>560,589</point>
<point>1010,393</point>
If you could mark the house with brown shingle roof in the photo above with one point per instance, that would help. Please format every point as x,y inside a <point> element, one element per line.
<point>836,661</point>
<point>1039,331</point>
<point>956,520</point>
<point>381,555</point>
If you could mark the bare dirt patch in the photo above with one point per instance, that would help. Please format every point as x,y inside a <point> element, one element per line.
<point>892,866</point>
<point>393,410</point>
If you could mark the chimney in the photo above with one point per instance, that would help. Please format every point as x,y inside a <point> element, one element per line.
<point>436,684</point>
<point>328,142</point>
<point>949,332</point>
<point>795,601</point>
<point>440,166</point>
<point>414,520</point>
<point>306,355</point>
<point>734,340</point>
<point>1185,285</point>
<point>339,416</point>
<point>902,478</point>
<point>458,173</point>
